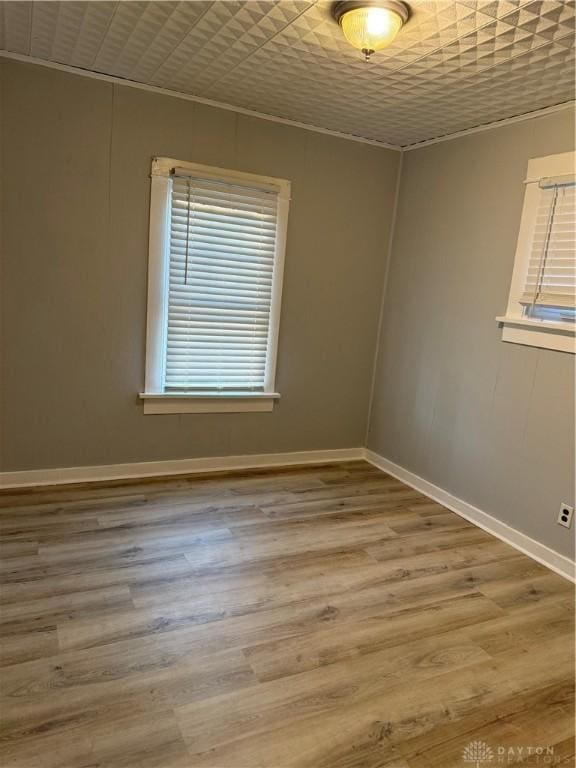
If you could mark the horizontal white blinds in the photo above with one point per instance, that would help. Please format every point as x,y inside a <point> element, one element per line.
<point>551,277</point>
<point>222,254</point>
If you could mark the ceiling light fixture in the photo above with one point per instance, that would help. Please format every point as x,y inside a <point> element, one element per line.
<point>370,25</point>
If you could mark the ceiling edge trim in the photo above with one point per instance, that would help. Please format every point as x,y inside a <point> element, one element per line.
<point>496,124</point>
<point>198,99</point>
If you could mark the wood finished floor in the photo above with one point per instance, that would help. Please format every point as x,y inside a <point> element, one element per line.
<point>317,617</point>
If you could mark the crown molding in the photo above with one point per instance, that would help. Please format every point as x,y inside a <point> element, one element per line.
<point>197,99</point>
<point>496,124</point>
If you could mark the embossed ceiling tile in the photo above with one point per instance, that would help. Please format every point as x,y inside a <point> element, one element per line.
<point>424,32</point>
<point>558,19</point>
<point>503,7</point>
<point>430,37</point>
<point>300,102</point>
<point>16,22</point>
<point>545,56</point>
<point>548,29</point>
<point>486,48</point>
<point>316,13</point>
<point>428,42</point>
<point>95,23</point>
<point>173,30</point>
<point>130,35</point>
<point>485,105</point>
<point>125,19</point>
<point>69,26</point>
<point>513,73</point>
<point>484,57</point>
<point>553,9</point>
<point>312,31</point>
<point>542,17</point>
<point>218,44</point>
<point>447,24</point>
<point>348,63</point>
<point>512,90</point>
<point>448,34</point>
<point>456,64</point>
<point>495,8</point>
<point>566,42</point>
<point>270,26</point>
<point>203,69</point>
<point>559,60</point>
<point>166,68</point>
<point>43,28</point>
<point>289,9</point>
<point>421,10</point>
<point>459,111</point>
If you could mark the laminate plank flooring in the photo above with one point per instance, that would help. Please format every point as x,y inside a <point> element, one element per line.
<point>310,617</point>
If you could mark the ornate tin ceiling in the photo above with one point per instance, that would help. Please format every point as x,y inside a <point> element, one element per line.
<point>455,65</point>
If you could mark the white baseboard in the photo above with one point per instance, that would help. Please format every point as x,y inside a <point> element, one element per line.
<point>520,541</point>
<point>34,477</point>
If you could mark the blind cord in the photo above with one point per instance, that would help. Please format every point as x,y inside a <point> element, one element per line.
<point>545,247</point>
<point>188,217</point>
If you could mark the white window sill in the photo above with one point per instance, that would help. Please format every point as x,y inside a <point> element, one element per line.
<point>539,333</point>
<point>209,402</point>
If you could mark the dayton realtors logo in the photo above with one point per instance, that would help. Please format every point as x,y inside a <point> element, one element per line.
<point>481,755</point>
<point>478,753</point>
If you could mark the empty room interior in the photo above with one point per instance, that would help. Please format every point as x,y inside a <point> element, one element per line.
<point>287,388</point>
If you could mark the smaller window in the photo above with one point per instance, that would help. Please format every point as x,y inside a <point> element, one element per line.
<point>214,285</point>
<point>542,304</point>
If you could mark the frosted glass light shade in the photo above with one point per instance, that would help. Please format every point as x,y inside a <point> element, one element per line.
<point>371,25</point>
<point>370,29</point>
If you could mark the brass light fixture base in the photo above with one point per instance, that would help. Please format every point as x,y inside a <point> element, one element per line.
<point>397,6</point>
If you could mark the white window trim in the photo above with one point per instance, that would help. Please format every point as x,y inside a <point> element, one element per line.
<point>517,328</point>
<point>156,401</point>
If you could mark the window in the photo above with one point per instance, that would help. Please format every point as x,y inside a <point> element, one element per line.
<point>216,258</point>
<point>542,305</point>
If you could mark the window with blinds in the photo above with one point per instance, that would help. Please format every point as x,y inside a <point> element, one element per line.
<point>541,309</point>
<point>223,245</point>
<point>550,286</point>
<point>215,268</point>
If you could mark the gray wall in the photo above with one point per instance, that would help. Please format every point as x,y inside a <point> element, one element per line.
<point>487,421</point>
<point>76,160</point>
<point>493,423</point>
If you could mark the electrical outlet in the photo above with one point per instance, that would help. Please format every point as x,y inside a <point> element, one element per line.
<point>565,515</point>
